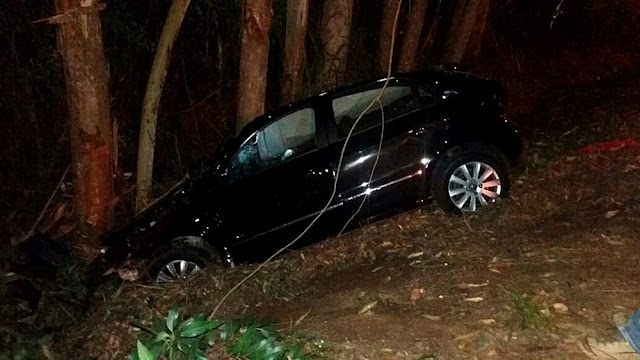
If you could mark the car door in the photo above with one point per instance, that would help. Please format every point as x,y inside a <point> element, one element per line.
<point>402,118</point>
<point>277,180</point>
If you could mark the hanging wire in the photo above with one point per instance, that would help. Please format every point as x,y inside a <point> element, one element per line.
<point>335,182</point>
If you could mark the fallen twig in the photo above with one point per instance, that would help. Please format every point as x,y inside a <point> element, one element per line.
<point>46,206</point>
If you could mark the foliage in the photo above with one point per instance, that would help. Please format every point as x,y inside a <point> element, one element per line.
<point>174,338</point>
<point>529,311</point>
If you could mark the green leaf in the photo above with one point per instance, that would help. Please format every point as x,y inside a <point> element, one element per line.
<point>161,337</point>
<point>193,327</point>
<point>195,354</point>
<point>245,341</point>
<point>261,346</point>
<point>296,351</point>
<point>143,352</point>
<point>268,331</point>
<point>157,349</point>
<point>264,349</point>
<point>172,317</point>
<point>186,344</point>
<point>228,329</point>
<point>276,352</point>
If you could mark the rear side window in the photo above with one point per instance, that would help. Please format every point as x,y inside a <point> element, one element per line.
<point>291,135</point>
<point>394,102</point>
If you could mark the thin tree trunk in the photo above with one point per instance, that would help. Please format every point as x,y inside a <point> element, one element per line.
<point>336,27</point>
<point>254,58</point>
<point>411,40</point>
<point>386,29</point>
<point>477,34</point>
<point>294,56</point>
<point>151,102</point>
<point>460,32</point>
<point>85,70</point>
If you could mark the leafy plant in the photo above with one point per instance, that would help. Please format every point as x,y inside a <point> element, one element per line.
<point>530,315</point>
<point>176,339</point>
<point>245,338</point>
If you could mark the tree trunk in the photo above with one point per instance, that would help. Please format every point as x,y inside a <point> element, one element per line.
<point>254,58</point>
<point>426,43</point>
<point>85,70</point>
<point>336,27</point>
<point>411,40</point>
<point>386,30</point>
<point>477,34</point>
<point>297,13</point>
<point>460,32</point>
<point>151,102</point>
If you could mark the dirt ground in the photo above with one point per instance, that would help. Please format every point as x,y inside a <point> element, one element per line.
<point>526,279</point>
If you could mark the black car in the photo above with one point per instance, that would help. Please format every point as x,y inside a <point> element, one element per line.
<point>444,136</point>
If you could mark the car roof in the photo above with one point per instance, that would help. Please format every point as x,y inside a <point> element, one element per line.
<point>431,76</point>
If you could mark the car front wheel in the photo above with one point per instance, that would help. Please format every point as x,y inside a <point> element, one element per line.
<point>177,264</point>
<point>469,178</point>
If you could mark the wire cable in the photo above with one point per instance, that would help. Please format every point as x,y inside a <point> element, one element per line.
<point>335,183</point>
<point>373,170</point>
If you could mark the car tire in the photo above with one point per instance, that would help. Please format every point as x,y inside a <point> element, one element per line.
<point>470,177</point>
<point>177,264</point>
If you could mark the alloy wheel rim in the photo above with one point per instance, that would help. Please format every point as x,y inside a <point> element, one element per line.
<point>177,270</point>
<point>473,185</point>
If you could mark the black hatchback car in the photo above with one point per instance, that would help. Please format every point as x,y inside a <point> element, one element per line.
<point>437,133</point>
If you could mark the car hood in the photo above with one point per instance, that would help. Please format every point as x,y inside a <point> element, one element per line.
<point>180,192</point>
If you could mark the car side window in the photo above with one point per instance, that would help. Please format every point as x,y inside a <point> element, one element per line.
<point>394,102</point>
<point>291,135</point>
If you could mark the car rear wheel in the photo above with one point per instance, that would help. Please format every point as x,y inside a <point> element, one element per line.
<point>177,264</point>
<point>469,178</point>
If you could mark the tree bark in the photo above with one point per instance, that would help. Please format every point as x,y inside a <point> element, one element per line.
<point>386,30</point>
<point>411,40</point>
<point>336,27</point>
<point>460,32</point>
<point>151,102</point>
<point>80,44</point>
<point>294,55</point>
<point>254,58</point>
<point>479,27</point>
<point>426,43</point>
